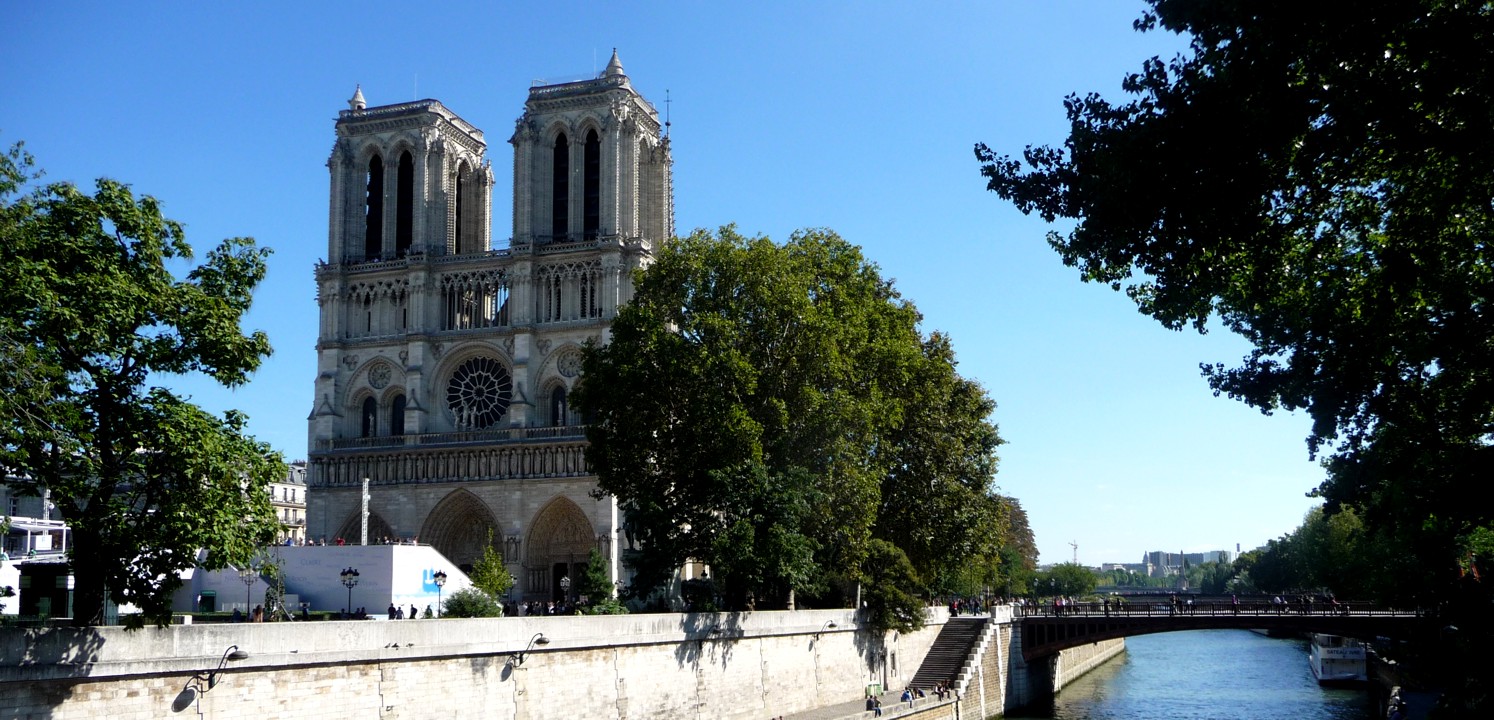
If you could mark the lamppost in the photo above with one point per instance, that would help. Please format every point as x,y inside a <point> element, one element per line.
<point>206,680</point>
<point>248,575</point>
<point>538,639</point>
<point>349,579</point>
<point>440,583</point>
<point>565,588</point>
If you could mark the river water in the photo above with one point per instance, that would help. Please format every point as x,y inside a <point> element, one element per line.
<point>1209,674</point>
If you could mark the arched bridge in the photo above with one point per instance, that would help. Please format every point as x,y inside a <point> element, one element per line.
<point>1046,630</point>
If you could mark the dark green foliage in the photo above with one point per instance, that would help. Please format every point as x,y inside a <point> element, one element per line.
<point>1068,579</point>
<point>594,584</point>
<point>769,410</point>
<point>891,603</point>
<point>90,316</point>
<point>471,602</point>
<point>489,574</point>
<point>1319,181</point>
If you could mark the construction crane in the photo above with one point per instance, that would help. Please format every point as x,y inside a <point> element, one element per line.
<point>1075,544</point>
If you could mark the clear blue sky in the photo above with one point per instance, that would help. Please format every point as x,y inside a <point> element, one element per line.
<point>854,116</point>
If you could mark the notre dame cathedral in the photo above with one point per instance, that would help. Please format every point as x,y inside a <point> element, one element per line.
<point>443,363</point>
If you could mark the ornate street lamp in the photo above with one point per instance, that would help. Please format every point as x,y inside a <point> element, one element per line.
<point>565,588</point>
<point>248,575</point>
<point>440,583</point>
<point>349,579</point>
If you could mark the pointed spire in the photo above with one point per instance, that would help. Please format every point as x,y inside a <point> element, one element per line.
<point>357,102</point>
<point>614,66</point>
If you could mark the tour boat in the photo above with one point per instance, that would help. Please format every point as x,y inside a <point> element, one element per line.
<point>1336,659</point>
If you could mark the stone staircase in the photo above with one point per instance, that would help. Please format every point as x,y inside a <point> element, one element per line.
<point>950,653</point>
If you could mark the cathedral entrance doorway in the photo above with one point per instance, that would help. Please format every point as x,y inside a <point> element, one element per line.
<point>560,539</point>
<point>460,527</point>
<point>560,580</point>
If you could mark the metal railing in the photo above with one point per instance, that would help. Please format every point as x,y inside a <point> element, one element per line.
<point>1163,608</point>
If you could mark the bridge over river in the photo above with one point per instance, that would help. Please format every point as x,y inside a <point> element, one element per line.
<point>1049,629</point>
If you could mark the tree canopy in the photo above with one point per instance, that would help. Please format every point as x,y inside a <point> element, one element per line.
<point>1319,181</point>
<point>90,314</point>
<point>771,409</point>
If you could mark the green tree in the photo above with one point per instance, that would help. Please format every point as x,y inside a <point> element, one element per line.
<point>1317,181</point>
<point>1069,579</point>
<point>890,602</point>
<point>936,497</point>
<point>90,315</point>
<point>489,574</point>
<point>1017,567</point>
<point>470,602</point>
<point>594,587</point>
<point>760,406</point>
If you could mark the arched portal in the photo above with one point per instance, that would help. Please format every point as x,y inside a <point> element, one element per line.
<point>351,530</point>
<point>460,527</point>
<point>560,540</point>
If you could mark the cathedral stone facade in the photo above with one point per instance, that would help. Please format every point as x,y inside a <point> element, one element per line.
<point>444,364</point>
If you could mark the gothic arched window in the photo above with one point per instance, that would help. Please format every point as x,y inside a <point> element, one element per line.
<point>592,186</point>
<point>558,413</point>
<point>404,204</point>
<point>373,205</point>
<point>560,190</point>
<point>370,417</point>
<point>397,416</point>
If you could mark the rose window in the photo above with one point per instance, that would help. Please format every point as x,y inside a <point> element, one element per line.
<point>479,393</point>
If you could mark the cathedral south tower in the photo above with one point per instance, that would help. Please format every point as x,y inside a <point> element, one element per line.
<point>444,363</point>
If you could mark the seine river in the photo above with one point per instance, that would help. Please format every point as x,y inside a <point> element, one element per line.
<point>1206,674</point>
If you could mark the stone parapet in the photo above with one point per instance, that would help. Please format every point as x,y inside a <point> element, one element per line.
<point>746,665</point>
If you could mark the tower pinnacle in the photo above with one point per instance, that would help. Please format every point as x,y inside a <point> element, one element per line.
<point>614,66</point>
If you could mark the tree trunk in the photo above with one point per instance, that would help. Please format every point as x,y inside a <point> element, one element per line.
<point>88,584</point>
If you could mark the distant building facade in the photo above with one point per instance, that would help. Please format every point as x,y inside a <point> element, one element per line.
<point>288,498</point>
<point>1158,563</point>
<point>444,364</point>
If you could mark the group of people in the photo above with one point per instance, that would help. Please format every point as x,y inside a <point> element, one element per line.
<point>256,615</point>
<point>398,613</point>
<point>962,606</point>
<point>541,608</point>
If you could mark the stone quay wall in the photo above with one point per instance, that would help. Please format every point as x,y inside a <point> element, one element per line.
<point>1073,662</point>
<point>728,665</point>
<point>1000,681</point>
